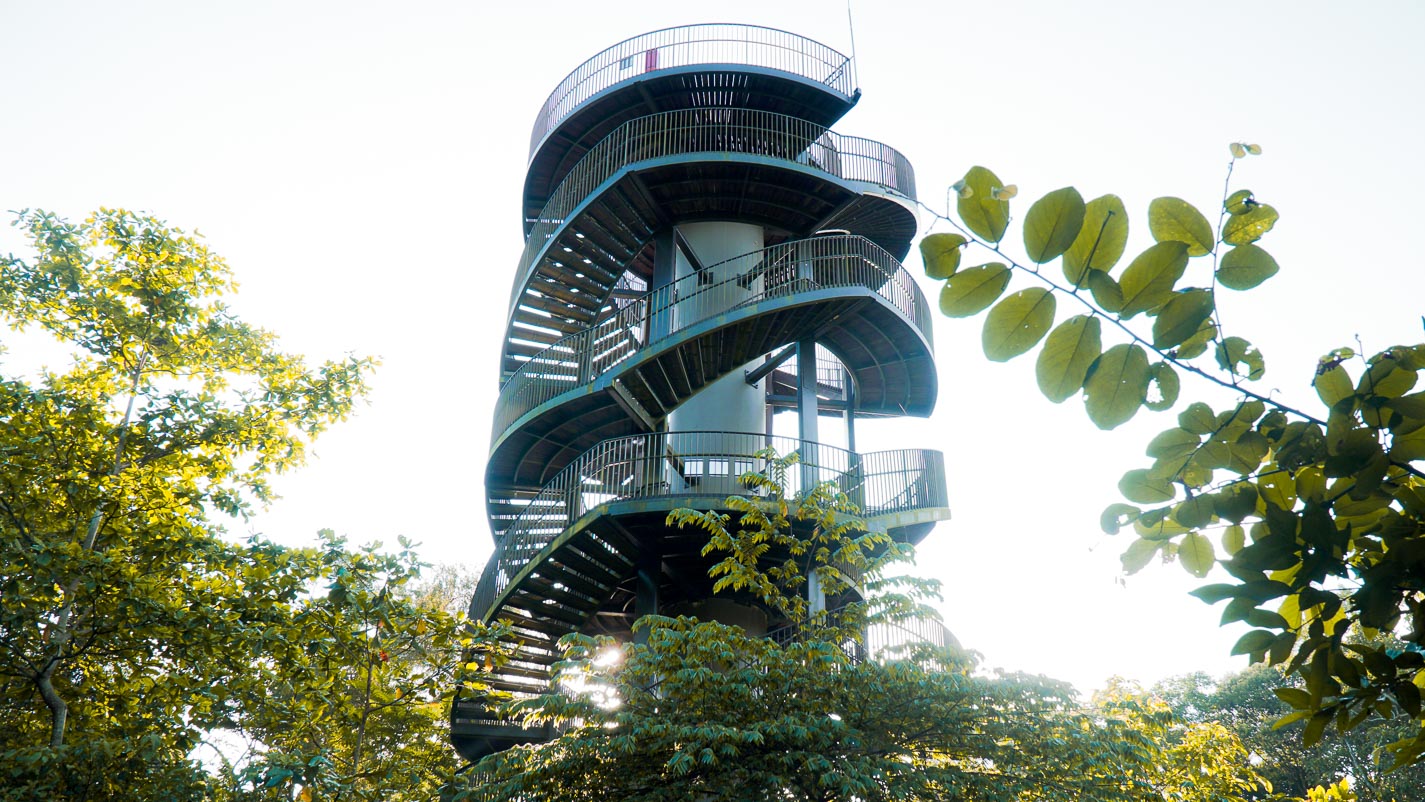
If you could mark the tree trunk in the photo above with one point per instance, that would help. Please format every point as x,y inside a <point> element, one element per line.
<point>59,711</point>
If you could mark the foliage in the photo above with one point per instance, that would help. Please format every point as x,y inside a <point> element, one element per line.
<point>1195,761</point>
<point>781,543</point>
<point>1245,704</point>
<point>132,634</point>
<point>700,710</point>
<point>1318,514</point>
<point>351,698</point>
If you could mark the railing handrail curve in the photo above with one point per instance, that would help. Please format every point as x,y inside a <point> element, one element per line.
<point>580,358</point>
<point>810,59</point>
<point>648,465</point>
<point>716,130</point>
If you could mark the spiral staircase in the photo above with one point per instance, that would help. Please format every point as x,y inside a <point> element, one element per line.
<point>701,252</point>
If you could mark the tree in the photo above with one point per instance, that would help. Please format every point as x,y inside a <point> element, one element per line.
<point>121,606</point>
<point>1194,761</point>
<point>1245,704</point>
<point>1318,513</point>
<point>351,699</point>
<point>699,710</point>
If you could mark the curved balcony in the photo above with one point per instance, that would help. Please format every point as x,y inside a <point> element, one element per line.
<point>781,270</point>
<point>552,541</point>
<point>719,43</point>
<point>713,164</point>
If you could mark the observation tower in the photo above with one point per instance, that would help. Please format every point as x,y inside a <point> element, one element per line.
<point>702,252</point>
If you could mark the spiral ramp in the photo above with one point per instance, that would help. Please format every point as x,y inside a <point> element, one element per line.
<point>702,251</point>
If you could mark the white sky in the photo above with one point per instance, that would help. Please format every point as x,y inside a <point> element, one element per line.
<point>360,166</point>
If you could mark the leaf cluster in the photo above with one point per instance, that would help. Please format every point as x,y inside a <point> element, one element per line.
<point>1318,516</point>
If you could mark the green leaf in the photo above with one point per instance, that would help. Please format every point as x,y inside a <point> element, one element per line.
<point>1234,538</point>
<point>980,212</point>
<point>1173,444</point>
<point>1295,697</point>
<point>1235,502</point>
<point>1165,379</point>
<point>1234,351</point>
<point>1196,345</point>
<point>1244,267</point>
<point>1117,385</point>
<point>1250,225</point>
<point>1148,281</point>
<point>1333,386</point>
<point>1213,594</point>
<point>941,254</point>
<point>1258,640</point>
<point>1064,361</point>
<point>1195,512</point>
<point>1196,554</point>
<point>1141,487</point>
<point>1017,323</point>
<point>1181,317</point>
<point>1101,239</point>
<point>1138,554</point>
<point>1116,516</point>
<point>971,291</point>
<point>1197,418</point>
<point>1052,224</point>
<point>1106,292</point>
<point>1316,727</point>
<point>1176,220</point>
<point>1239,202</point>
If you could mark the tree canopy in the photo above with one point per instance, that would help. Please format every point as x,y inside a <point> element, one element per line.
<point>132,631</point>
<point>701,710</point>
<point>1314,510</point>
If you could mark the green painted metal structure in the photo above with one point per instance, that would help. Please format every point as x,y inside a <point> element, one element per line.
<point>651,149</point>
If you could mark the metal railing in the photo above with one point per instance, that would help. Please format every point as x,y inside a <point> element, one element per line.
<point>716,130</point>
<point>718,43</point>
<point>775,272</point>
<point>704,464</point>
<point>882,640</point>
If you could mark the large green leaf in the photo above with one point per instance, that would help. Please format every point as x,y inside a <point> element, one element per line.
<point>971,291</point>
<point>1142,487</point>
<point>1250,225</point>
<point>981,212</point>
<point>1106,292</point>
<point>1017,323</point>
<point>1239,202</point>
<point>1116,516</point>
<point>1181,317</point>
<point>1176,220</point>
<point>1244,267</point>
<point>1234,351</point>
<point>941,254</point>
<point>1101,239</point>
<point>1148,281</point>
<point>1139,553</point>
<point>1196,345</point>
<point>1117,385</point>
<point>1052,224</point>
<point>1197,418</point>
<point>1255,641</point>
<point>1165,379</point>
<point>1333,385</point>
<point>1065,359</point>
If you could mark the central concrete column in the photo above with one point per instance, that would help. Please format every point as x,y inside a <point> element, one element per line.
<point>728,404</point>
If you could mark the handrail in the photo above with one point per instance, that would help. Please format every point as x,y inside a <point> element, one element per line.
<point>715,43</point>
<point>669,464</point>
<point>884,639</point>
<point>711,130</point>
<point>778,271</point>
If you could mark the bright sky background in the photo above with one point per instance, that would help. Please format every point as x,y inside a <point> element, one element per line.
<point>360,166</point>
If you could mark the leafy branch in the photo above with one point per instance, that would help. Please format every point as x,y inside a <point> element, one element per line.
<point>1333,501</point>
